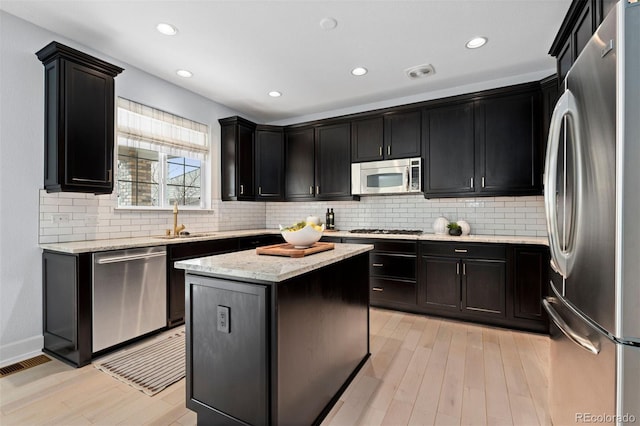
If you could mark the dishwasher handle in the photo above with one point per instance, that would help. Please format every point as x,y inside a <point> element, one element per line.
<point>118,259</point>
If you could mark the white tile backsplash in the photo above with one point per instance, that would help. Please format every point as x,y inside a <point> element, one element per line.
<point>517,216</point>
<point>92,217</point>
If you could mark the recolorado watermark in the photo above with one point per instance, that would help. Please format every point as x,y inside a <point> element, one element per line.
<point>605,418</point>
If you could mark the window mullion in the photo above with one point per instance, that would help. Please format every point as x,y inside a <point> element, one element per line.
<point>163,180</point>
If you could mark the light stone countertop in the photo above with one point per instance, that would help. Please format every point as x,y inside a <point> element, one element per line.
<point>124,243</point>
<point>247,265</point>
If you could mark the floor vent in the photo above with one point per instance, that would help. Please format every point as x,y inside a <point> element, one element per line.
<point>23,365</point>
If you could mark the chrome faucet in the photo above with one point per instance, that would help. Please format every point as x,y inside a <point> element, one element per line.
<point>176,228</point>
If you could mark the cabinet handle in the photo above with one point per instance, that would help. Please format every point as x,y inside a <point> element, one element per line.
<point>259,190</point>
<point>471,183</point>
<point>377,288</point>
<point>380,151</point>
<point>460,250</point>
<point>317,190</point>
<point>110,175</point>
<point>464,269</point>
<point>377,265</point>
<point>457,268</point>
<point>483,181</point>
<point>310,189</point>
<point>388,149</point>
<point>241,189</point>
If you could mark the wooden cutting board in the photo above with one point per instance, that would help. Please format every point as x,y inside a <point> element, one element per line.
<point>286,249</point>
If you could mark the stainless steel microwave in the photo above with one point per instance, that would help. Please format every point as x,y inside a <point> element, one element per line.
<point>386,177</point>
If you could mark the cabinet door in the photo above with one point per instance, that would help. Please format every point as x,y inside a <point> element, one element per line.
<point>367,139</point>
<point>583,29</point>
<point>449,150</point>
<point>507,145</point>
<point>402,134</point>
<point>530,282</point>
<point>441,283</point>
<point>299,164</point>
<point>270,165</point>
<point>88,129</point>
<point>333,161</point>
<point>246,188</point>
<point>483,286</point>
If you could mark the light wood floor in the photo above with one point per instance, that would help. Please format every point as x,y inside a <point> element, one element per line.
<point>422,371</point>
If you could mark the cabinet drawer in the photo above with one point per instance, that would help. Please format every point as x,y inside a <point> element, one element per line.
<point>464,250</point>
<point>394,246</point>
<point>386,290</point>
<point>392,265</point>
<point>201,248</point>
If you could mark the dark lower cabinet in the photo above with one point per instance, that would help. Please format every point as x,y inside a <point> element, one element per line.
<point>454,285</point>
<point>441,283</point>
<point>288,350</point>
<point>489,283</point>
<point>66,293</point>
<point>392,272</point>
<point>483,286</point>
<point>175,284</point>
<point>530,283</point>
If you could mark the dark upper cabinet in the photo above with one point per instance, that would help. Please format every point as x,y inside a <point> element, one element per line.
<point>393,135</point>
<point>333,161</point>
<point>488,146</point>
<point>402,134</point>
<point>79,120</point>
<point>449,156</point>
<point>270,163</point>
<point>580,22</point>
<point>299,164</point>
<point>508,144</point>
<point>550,93</point>
<point>237,158</point>
<point>367,139</point>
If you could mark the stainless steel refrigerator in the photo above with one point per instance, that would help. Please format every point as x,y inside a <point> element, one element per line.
<point>592,202</point>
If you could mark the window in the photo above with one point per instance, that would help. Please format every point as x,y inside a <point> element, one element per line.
<point>161,157</point>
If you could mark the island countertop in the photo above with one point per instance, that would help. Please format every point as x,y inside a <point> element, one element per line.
<point>247,265</point>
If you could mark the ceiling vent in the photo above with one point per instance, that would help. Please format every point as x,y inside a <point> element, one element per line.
<point>420,71</point>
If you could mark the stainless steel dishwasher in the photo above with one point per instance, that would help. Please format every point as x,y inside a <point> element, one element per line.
<point>129,294</point>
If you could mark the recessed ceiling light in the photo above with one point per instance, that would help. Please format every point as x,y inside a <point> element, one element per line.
<point>420,71</point>
<point>166,29</point>
<point>476,42</point>
<point>358,71</point>
<point>275,94</point>
<point>328,23</point>
<point>184,73</point>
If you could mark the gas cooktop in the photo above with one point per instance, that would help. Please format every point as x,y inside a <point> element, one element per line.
<point>387,231</point>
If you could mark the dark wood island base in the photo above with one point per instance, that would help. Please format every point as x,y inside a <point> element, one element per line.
<point>264,352</point>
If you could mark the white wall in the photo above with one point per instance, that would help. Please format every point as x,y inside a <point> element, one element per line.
<point>21,165</point>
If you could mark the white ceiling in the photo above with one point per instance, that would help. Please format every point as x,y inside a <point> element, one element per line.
<point>240,50</point>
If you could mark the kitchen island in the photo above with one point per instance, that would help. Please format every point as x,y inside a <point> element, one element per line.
<point>274,340</point>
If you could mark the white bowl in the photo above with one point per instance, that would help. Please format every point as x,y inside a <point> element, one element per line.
<point>302,238</point>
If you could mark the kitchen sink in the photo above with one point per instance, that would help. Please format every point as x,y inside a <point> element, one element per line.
<point>185,236</point>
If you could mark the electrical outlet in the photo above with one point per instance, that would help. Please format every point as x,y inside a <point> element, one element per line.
<point>224,318</point>
<point>60,217</point>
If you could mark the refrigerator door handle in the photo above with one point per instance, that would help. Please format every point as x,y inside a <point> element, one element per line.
<point>584,342</point>
<point>562,259</point>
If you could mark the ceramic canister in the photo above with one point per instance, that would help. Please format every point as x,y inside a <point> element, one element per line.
<point>440,225</point>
